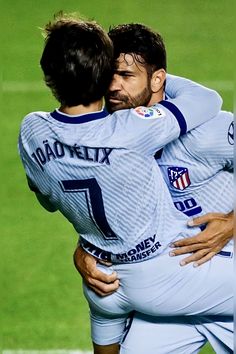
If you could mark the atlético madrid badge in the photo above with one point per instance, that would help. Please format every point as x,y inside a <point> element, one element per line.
<point>179,177</point>
<point>149,112</point>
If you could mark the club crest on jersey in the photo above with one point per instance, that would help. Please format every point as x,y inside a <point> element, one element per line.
<point>149,113</point>
<point>231,134</point>
<point>179,177</point>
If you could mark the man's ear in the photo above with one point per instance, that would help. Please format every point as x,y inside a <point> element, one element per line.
<point>157,80</point>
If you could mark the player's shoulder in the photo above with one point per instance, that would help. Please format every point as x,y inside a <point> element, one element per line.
<point>32,118</point>
<point>215,126</point>
<point>222,118</point>
<point>130,126</point>
<point>146,113</point>
<point>141,112</point>
<point>225,114</point>
<point>213,137</point>
<point>121,114</point>
<point>219,126</point>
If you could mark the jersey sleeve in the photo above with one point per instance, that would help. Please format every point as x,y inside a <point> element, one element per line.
<point>30,174</point>
<point>43,200</point>
<point>192,104</point>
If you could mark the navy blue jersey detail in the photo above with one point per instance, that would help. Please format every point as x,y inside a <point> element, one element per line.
<point>193,211</point>
<point>178,115</point>
<point>80,118</point>
<point>158,154</point>
<point>94,250</point>
<point>225,254</point>
<point>202,227</point>
<point>231,134</point>
<point>93,193</point>
<point>128,325</point>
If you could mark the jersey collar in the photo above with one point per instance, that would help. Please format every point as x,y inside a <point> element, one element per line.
<point>83,118</point>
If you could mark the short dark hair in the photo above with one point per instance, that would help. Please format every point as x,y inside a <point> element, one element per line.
<point>141,42</point>
<point>77,60</point>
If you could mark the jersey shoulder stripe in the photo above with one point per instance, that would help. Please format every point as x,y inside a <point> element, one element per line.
<point>178,115</point>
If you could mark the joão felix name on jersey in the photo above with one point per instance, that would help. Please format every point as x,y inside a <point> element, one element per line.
<point>50,151</point>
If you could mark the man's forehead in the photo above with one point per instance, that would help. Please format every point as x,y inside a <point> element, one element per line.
<point>128,62</point>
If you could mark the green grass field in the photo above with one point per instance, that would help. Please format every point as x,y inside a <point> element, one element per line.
<point>42,303</point>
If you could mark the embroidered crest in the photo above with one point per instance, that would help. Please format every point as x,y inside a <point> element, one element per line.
<point>179,177</point>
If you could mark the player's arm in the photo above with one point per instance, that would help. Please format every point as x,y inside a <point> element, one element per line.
<point>103,284</point>
<point>106,349</point>
<point>43,200</point>
<point>196,103</point>
<point>158,125</point>
<point>206,244</point>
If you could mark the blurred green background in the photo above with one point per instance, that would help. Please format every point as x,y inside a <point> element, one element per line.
<point>41,300</point>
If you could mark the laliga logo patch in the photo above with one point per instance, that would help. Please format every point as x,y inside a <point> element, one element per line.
<point>149,113</point>
<point>231,134</point>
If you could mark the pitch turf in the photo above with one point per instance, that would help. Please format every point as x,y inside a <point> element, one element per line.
<point>42,304</point>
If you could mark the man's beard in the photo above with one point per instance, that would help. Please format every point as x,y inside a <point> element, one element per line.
<point>142,99</point>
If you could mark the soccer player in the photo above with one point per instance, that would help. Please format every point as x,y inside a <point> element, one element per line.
<point>131,87</point>
<point>99,171</point>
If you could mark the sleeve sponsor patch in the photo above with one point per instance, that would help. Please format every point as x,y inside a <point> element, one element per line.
<point>149,112</point>
<point>231,134</point>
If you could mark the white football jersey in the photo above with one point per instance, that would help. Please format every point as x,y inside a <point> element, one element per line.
<point>198,167</point>
<point>99,171</point>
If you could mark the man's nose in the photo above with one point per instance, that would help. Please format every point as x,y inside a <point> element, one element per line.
<point>115,83</point>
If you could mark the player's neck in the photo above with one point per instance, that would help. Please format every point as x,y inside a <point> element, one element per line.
<point>156,97</point>
<point>81,109</point>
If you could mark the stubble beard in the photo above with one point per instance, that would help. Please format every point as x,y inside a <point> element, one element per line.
<point>126,102</point>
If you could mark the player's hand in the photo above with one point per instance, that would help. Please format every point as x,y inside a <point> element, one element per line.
<point>103,284</point>
<point>203,246</point>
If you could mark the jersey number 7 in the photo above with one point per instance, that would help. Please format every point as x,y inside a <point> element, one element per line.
<point>95,205</point>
